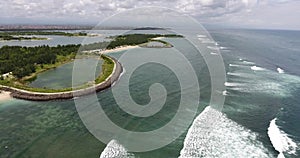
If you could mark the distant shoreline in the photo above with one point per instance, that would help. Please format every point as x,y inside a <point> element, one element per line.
<point>118,49</point>
<point>103,82</point>
<point>31,40</point>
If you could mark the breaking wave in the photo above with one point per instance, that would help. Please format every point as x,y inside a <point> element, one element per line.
<point>225,93</point>
<point>115,149</point>
<point>230,84</point>
<point>213,47</point>
<point>212,134</point>
<point>256,68</point>
<point>281,71</point>
<point>280,140</point>
<point>248,62</point>
<point>236,74</point>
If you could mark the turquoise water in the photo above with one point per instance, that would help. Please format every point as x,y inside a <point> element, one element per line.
<point>256,94</point>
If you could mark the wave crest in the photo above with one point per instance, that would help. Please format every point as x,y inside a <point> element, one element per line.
<point>115,149</point>
<point>280,140</point>
<point>212,134</point>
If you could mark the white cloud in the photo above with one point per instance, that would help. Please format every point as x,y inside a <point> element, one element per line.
<point>221,11</point>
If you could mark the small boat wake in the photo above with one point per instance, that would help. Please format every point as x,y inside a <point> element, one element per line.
<point>212,134</point>
<point>280,140</point>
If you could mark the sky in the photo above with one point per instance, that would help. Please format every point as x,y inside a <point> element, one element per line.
<point>272,14</point>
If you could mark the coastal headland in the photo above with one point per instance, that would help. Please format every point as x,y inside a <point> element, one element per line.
<point>39,59</point>
<point>38,96</point>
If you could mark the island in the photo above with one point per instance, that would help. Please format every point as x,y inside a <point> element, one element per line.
<point>20,65</point>
<point>30,35</point>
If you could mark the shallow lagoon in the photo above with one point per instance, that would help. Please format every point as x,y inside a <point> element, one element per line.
<point>61,77</point>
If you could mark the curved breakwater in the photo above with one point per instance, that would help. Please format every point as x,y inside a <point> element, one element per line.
<point>36,96</point>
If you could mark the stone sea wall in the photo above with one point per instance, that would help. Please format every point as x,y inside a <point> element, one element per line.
<point>36,96</point>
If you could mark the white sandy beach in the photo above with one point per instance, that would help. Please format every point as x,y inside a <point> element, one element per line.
<point>118,49</point>
<point>4,95</point>
<point>158,38</point>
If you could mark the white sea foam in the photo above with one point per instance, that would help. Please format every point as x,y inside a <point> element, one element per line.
<point>235,65</point>
<point>225,93</point>
<point>236,74</point>
<point>114,149</point>
<point>212,135</point>
<point>213,53</point>
<point>231,84</point>
<point>280,140</point>
<point>223,48</point>
<point>213,47</point>
<point>122,73</point>
<point>201,36</point>
<point>248,62</point>
<point>281,71</point>
<point>206,40</point>
<point>256,68</point>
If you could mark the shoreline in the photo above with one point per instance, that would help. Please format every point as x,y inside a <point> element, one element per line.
<point>31,40</point>
<point>5,95</point>
<point>118,49</point>
<point>38,96</point>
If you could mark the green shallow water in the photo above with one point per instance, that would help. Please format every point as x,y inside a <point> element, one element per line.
<point>44,129</point>
<point>61,77</point>
<point>54,129</point>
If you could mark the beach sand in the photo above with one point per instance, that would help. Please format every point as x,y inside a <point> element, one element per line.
<point>118,49</point>
<point>4,96</point>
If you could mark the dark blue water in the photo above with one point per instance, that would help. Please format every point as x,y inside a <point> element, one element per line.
<point>267,94</point>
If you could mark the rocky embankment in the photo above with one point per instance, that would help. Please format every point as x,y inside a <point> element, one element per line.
<point>36,96</point>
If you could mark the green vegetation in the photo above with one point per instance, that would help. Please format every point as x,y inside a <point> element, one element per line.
<point>94,46</point>
<point>19,35</point>
<point>30,33</point>
<point>26,62</point>
<point>136,39</point>
<point>19,38</point>
<point>164,44</point>
<point>23,61</point>
<point>107,69</point>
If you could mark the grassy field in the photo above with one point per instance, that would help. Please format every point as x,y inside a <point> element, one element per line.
<point>107,69</point>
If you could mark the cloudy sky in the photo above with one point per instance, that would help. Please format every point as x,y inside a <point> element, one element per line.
<point>282,14</point>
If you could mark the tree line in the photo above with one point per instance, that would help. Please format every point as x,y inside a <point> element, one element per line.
<point>136,39</point>
<point>22,61</point>
<point>29,33</point>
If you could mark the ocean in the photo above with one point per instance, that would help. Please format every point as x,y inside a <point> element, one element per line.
<point>259,117</point>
